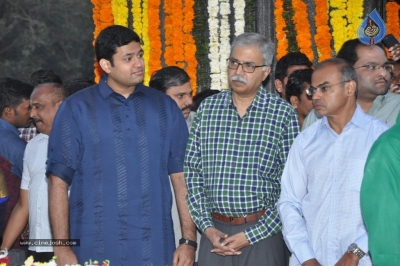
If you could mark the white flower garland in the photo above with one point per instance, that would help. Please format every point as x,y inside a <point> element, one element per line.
<point>214,56</point>
<point>239,6</point>
<point>225,46</point>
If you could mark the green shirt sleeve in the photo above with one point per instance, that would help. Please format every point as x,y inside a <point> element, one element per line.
<point>380,198</point>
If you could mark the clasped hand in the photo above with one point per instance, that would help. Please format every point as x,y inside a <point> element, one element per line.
<point>225,245</point>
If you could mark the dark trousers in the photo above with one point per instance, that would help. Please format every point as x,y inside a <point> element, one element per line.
<point>40,256</point>
<point>3,211</point>
<point>268,252</point>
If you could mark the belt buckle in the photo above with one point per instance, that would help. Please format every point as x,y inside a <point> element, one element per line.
<point>231,220</point>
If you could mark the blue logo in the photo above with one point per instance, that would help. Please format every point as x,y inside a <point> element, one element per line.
<point>372,30</point>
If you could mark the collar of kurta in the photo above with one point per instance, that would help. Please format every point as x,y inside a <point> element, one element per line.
<point>106,90</point>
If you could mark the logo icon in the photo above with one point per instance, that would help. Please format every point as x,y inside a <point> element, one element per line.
<point>372,30</point>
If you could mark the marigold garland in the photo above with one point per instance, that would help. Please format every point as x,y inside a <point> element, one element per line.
<point>280,25</point>
<point>393,18</point>
<point>224,42</point>
<point>120,12</point>
<point>239,6</point>
<point>154,36</point>
<point>288,14</point>
<point>338,22</point>
<point>354,13</point>
<point>322,36</point>
<point>102,18</point>
<point>189,45</point>
<point>302,27</point>
<point>169,33</point>
<point>146,41</point>
<point>214,56</point>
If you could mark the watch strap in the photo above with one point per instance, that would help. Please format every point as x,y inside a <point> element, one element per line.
<point>358,252</point>
<point>189,242</point>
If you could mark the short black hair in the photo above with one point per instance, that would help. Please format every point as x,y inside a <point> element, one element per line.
<point>346,70</point>
<point>199,97</point>
<point>168,77</point>
<point>13,92</point>
<point>288,60</point>
<point>295,85</point>
<point>110,39</point>
<point>348,51</point>
<point>41,76</point>
<point>73,85</point>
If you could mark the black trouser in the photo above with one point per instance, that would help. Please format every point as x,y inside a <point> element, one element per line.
<point>40,256</point>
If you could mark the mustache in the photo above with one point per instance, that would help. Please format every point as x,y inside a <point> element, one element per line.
<point>382,78</point>
<point>239,78</point>
<point>189,106</point>
<point>36,120</point>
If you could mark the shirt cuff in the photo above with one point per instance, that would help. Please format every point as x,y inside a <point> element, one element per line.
<point>64,172</point>
<point>304,252</point>
<point>362,243</point>
<point>205,223</point>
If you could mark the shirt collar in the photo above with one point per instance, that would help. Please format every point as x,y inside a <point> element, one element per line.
<point>7,126</point>
<point>106,90</point>
<point>258,102</point>
<point>357,119</point>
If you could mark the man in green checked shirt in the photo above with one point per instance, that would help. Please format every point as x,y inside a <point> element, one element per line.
<point>235,156</point>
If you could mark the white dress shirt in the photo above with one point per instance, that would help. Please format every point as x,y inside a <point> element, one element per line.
<point>320,199</point>
<point>35,181</point>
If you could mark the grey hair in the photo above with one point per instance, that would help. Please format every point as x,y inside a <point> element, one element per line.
<point>267,48</point>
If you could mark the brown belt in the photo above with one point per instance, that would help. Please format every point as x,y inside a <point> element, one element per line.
<point>238,220</point>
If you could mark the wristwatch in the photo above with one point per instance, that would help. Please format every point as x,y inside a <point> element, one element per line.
<point>353,248</point>
<point>189,242</point>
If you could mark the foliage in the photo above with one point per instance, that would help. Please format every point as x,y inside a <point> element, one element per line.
<point>46,34</point>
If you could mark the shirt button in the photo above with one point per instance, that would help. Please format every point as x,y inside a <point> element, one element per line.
<point>233,164</point>
<point>236,142</point>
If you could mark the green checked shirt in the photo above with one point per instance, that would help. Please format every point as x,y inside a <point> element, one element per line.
<point>233,165</point>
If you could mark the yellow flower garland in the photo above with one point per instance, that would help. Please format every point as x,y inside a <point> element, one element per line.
<point>354,15</point>
<point>338,22</point>
<point>302,27</point>
<point>120,12</point>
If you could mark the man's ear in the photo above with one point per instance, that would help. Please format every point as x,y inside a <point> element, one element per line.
<point>278,86</point>
<point>105,65</point>
<point>266,72</point>
<point>8,112</point>
<point>351,88</point>
<point>294,101</point>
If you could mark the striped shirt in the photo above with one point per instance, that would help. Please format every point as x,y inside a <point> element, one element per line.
<point>234,164</point>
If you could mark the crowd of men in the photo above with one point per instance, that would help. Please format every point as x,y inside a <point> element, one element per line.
<point>147,175</point>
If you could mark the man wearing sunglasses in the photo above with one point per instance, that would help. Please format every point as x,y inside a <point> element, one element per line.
<point>374,77</point>
<point>320,199</point>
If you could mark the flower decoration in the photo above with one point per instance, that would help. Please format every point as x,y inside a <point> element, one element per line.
<point>302,25</point>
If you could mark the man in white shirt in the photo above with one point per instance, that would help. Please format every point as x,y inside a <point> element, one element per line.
<point>320,199</point>
<point>33,202</point>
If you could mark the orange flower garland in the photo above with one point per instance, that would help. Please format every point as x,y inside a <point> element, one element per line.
<point>280,24</point>
<point>302,27</point>
<point>154,34</point>
<point>169,33</point>
<point>393,19</point>
<point>190,45</point>
<point>322,36</point>
<point>102,18</point>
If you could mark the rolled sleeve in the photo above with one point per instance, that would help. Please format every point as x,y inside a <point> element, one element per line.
<point>64,145</point>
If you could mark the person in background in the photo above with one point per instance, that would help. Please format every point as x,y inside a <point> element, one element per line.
<point>33,201</point>
<point>120,196</point>
<point>285,66</point>
<point>40,76</point>
<point>395,84</point>
<point>175,82</point>
<point>14,114</point>
<point>234,160</point>
<point>201,96</point>
<point>374,76</point>
<point>74,85</point>
<point>296,92</point>
<point>320,199</point>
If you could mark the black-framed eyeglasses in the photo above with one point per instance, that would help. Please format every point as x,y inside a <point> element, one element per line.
<point>371,67</point>
<point>247,67</point>
<point>324,88</point>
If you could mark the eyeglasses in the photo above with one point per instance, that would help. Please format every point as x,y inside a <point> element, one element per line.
<point>247,67</point>
<point>370,67</point>
<point>311,90</point>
